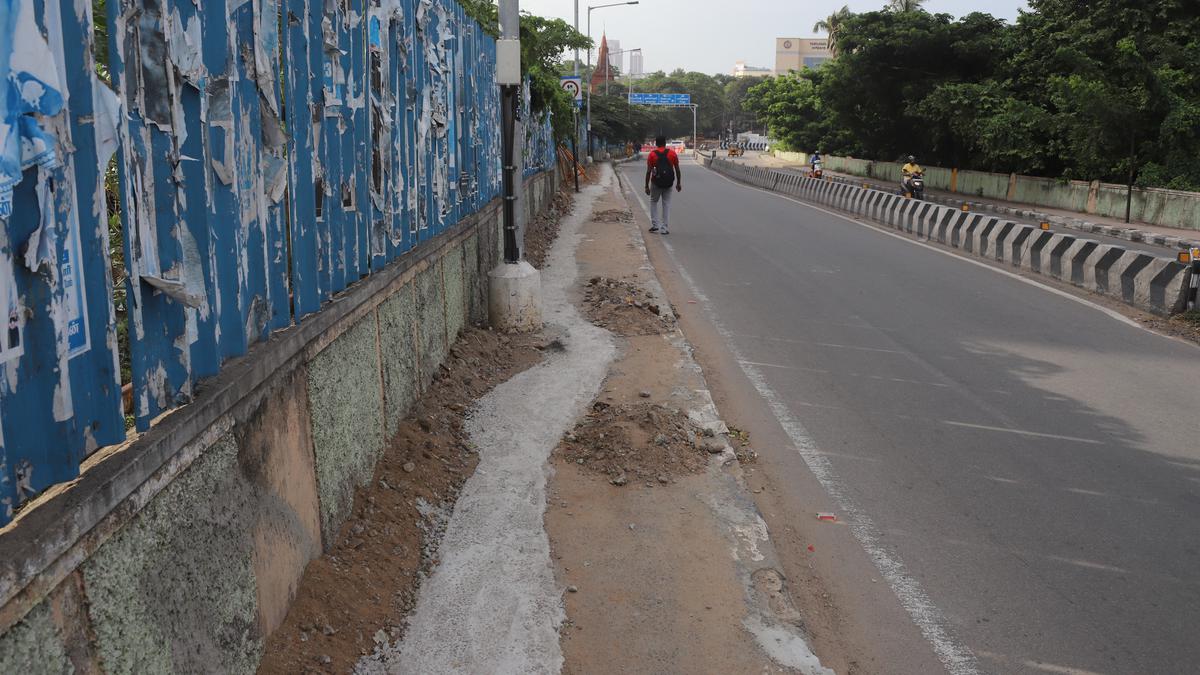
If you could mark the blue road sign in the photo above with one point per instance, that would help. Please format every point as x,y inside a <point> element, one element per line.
<point>661,99</point>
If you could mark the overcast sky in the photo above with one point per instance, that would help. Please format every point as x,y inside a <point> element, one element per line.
<point>709,35</point>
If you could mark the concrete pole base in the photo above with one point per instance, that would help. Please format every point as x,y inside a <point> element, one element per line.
<point>515,298</point>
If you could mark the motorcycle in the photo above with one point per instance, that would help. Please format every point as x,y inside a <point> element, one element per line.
<point>816,171</point>
<point>913,186</point>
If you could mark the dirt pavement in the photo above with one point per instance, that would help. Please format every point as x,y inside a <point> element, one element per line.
<point>359,592</point>
<point>667,566</point>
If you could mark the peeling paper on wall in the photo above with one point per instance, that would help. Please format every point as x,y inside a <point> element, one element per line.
<point>27,62</point>
<point>183,43</point>
<point>266,50</point>
<point>185,280</point>
<point>42,247</point>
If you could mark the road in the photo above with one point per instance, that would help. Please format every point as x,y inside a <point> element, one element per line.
<point>1017,468</point>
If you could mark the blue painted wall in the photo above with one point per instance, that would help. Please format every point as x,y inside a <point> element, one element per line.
<point>270,154</point>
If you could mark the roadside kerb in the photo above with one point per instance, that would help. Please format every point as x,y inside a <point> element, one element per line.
<point>1152,283</point>
<point>1126,232</point>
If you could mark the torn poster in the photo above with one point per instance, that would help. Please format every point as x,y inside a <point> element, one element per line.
<point>11,344</point>
<point>29,85</point>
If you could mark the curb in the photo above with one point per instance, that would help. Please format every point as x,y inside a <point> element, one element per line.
<point>1156,284</point>
<point>1067,222</point>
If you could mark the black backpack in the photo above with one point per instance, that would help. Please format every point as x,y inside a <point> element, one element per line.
<point>664,172</point>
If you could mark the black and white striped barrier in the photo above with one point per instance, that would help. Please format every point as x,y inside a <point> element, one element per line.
<point>1153,283</point>
<point>1191,258</point>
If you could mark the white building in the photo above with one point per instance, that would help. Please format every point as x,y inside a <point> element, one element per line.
<point>616,60</point>
<point>636,69</point>
<point>740,69</point>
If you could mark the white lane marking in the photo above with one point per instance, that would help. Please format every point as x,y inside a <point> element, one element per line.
<point>806,404</point>
<point>857,348</point>
<point>830,372</point>
<point>1112,314</point>
<point>1183,465</point>
<point>954,655</point>
<point>1087,564</point>
<point>776,365</point>
<point>905,381</point>
<point>1022,432</point>
<point>1036,665</point>
<point>857,458</point>
<point>1092,493</point>
<point>791,341</point>
<point>998,479</point>
<point>1061,670</point>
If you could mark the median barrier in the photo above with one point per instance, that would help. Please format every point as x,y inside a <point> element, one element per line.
<point>1152,283</point>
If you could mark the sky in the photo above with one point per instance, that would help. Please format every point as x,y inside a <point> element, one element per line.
<point>710,35</point>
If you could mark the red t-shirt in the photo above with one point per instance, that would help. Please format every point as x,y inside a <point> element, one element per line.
<point>671,157</point>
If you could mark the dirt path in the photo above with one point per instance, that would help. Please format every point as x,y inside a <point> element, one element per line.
<point>358,594</point>
<point>667,565</point>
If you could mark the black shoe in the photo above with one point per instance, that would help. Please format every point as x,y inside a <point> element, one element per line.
<point>654,228</point>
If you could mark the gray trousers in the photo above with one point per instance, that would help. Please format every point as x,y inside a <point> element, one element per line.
<point>660,195</point>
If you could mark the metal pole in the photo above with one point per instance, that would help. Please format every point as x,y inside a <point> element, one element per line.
<point>510,30</point>
<point>695,138</point>
<point>1129,187</point>
<point>589,65</point>
<point>589,84</point>
<point>575,111</point>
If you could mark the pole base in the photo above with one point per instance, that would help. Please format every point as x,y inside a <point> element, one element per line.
<point>515,298</point>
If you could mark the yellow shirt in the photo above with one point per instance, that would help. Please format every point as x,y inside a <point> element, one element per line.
<point>911,168</point>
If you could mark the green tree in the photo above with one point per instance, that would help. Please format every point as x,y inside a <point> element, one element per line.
<point>1119,80</point>
<point>832,26</point>
<point>543,43</point>
<point>892,61</point>
<point>905,5</point>
<point>791,105</point>
<point>737,113</point>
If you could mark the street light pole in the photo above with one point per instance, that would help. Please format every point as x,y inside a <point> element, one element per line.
<point>589,63</point>
<point>575,112</point>
<point>514,286</point>
<point>606,72</point>
<point>508,76</point>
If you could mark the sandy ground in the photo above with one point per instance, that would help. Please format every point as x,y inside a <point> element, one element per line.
<point>359,592</point>
<point>605,525</point>
<point>667,566</point>
<point>492,605</point>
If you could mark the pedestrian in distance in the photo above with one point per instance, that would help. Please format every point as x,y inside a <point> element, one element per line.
<point>662,173</point>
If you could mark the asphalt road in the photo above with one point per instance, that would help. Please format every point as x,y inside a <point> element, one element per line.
<point>1021,467</point>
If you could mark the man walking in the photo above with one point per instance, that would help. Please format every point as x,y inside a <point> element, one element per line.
<point>662,173</point>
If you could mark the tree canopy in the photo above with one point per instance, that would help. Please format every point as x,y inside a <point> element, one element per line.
<point>543,42</point>
<point>1097,90</point>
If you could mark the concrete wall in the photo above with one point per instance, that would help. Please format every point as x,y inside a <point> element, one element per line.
<point>1153,283</point>
<point>181,551</point>
<point>1169,208</point>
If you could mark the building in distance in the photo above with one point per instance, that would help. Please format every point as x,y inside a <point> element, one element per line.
<point>740,69</point>
<point>800,52</point>
<point>615,58</point>
<point>636,69</point>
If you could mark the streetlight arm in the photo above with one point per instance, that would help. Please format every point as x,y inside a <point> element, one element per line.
<point>589,64</point>
<point>590,8</point>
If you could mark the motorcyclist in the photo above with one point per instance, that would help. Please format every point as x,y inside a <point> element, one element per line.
<point>814,160</point>
<point>911,167</point>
